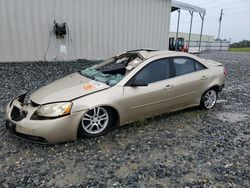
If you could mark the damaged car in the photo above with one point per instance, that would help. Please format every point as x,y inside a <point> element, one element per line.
<point>130,86</point>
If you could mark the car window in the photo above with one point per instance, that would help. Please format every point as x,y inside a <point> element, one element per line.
<point>199,66</point>
<point>155,71</point>
<point>183,65</point>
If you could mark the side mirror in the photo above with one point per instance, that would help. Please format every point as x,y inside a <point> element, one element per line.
<point>138,82</point>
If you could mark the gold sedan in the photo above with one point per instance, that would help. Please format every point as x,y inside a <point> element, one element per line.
<point>130,86</point>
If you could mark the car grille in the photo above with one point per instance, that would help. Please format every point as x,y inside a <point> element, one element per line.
<point>17,114</point>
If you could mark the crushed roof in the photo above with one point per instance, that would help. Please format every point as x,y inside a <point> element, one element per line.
<point>148,54</point>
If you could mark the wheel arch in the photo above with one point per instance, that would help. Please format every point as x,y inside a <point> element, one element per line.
<point>115,112</point>
<point>215,87</point>
<point>113,109</point>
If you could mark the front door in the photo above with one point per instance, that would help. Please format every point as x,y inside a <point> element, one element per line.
<point>153,99</point>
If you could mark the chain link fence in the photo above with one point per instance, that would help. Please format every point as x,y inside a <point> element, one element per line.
<point>209,45</point>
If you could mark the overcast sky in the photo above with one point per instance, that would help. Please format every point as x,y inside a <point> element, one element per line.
<point>235,22</point>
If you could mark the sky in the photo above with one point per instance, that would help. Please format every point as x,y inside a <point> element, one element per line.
<point>235,21</point>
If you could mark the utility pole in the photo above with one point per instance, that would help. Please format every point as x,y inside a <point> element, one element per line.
<point>220,19</point>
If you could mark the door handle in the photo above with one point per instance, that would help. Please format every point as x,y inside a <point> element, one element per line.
<point>203,77</point>
<point>169,87</point>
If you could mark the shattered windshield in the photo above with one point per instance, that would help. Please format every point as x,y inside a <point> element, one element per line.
<point>112,70</point>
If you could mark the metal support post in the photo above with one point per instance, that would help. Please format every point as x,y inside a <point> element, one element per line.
<point>177,32</point>
<point>202,17</point>
<point>190,29</point>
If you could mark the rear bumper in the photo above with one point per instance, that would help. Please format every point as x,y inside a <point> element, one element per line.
<point>41,131</point>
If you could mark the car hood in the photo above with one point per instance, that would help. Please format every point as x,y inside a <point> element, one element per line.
<point>66,89</point>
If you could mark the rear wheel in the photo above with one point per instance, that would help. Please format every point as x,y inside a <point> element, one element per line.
<point>96,122</point>
<point>209,99</point>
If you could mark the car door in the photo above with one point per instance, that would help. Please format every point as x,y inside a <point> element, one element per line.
<point>190,81</point>
<point>153,99</point>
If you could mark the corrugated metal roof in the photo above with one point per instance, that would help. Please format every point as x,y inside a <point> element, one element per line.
<point>180,5</point>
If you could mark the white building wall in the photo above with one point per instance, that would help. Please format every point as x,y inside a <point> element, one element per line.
<point>97,29</point>
<point>194,37</point>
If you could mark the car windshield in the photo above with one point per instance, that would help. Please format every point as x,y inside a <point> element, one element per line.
<point>112,70</point>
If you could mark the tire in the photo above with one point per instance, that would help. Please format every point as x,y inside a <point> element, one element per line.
<point>209,99</point>
<point>96,122</point>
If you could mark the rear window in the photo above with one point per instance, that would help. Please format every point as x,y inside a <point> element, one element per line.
<point>183,65</point>
<point>199,66</point>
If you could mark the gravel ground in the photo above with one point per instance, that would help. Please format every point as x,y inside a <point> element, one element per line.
<point>190,148</point>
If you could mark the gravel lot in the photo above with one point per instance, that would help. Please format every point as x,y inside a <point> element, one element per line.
<point>192,148</point>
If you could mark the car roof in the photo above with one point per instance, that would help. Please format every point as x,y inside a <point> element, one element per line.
<point>146,54</point>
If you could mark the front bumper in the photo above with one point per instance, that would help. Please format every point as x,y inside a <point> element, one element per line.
<point>36,139</point>
<point>18,121</point>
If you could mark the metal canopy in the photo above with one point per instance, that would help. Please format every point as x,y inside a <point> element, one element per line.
<point>176,5</point>
<point>185,6</point>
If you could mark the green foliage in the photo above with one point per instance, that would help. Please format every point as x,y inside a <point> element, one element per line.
<point>241,44</point>
<point>239,49</point>
<point>141,122</point>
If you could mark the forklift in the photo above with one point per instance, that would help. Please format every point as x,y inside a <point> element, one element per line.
<point>181,44</point>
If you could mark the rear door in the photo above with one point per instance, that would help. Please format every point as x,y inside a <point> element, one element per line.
<point>190,81</point>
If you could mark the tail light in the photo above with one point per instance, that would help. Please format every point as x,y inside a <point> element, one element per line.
<point>224,70</point>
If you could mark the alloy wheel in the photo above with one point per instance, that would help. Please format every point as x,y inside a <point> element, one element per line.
<point>210,99</point>
<point>95,120</point>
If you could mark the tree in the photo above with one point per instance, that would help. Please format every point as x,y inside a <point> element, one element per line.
<point>241,44</point>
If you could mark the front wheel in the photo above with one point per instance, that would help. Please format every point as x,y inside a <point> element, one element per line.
<point>209,99</point>
<point>95,122</point>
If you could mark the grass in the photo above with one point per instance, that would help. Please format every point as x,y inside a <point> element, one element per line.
<point>239,49</point>
<point>141,122</point>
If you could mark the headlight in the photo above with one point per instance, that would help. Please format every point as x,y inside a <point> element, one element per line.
<point>54,110</point>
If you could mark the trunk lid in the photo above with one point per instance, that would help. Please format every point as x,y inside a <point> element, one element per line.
<point>213,63</point>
